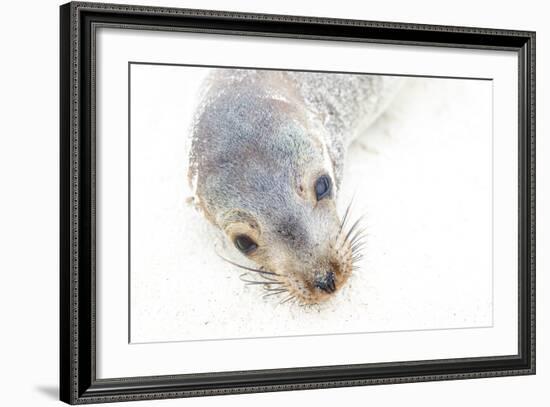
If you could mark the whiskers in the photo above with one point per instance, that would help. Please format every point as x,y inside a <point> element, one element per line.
<point>261,271</point>
<point>355,236</point>
<point>267,279</point>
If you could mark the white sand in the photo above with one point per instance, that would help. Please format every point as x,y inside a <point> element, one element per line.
<point>421,175</point>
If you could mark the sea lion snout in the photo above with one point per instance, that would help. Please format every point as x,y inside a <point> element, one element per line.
<point>299,246</point>
<point>326,282</point>
<point>308,260</point>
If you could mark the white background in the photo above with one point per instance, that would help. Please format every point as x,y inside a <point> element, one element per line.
<point>29,175</point>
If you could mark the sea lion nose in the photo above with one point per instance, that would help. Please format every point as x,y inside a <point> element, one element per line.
<point>326,282</point>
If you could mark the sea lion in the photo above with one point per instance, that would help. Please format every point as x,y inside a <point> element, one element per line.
<point>265,165</point>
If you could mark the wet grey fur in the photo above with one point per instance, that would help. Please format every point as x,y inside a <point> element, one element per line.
<point>261,138</point>
<point>248,147</point>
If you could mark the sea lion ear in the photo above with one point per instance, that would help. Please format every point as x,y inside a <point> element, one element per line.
<point>196,203</point>
<point>193,202</point>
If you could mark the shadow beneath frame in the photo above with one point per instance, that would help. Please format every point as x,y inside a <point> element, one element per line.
<point>50,391</point>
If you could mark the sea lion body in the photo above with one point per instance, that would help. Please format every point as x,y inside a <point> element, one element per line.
<point>266,162</point>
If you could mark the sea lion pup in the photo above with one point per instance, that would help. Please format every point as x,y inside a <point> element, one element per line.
<point>266,159</point>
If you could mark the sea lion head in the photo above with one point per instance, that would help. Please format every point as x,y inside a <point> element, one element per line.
<point>263,176</point>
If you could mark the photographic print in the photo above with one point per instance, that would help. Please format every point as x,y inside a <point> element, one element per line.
<point>276,203</point>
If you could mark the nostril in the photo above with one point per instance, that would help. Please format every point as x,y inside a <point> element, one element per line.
<point>330,281</point>
<point>326,282</point>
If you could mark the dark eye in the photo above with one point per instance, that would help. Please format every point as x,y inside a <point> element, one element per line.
<point>245,244</point>
<point>322,187</point>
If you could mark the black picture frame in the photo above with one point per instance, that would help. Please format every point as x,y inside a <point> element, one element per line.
<point>78,382</point>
